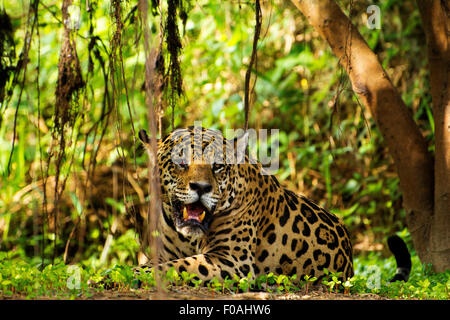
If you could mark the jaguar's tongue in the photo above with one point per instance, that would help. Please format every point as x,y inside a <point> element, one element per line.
<point>194,211</point>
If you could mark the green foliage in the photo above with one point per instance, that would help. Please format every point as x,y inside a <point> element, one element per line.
<point>330,148</point>
<point>308,279</point>
<point>422,283</point>
<point>332,280</point>
<point>18,276</point>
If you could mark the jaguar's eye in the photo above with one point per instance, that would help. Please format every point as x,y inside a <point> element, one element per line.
<point>217,167</point>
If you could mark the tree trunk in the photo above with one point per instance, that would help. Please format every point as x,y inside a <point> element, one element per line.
<point>435,20</point>
<point>403,138</point>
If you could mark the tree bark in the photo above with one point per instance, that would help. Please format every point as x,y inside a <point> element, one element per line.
<point>402,136</point>
<point>435,20</point>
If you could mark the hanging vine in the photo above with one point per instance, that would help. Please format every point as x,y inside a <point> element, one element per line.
<point>253,61</point>
<point>66,112</point>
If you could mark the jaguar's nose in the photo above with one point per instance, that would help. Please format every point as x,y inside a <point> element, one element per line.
<point>200,187</point>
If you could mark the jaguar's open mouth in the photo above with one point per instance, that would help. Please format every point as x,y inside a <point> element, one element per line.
<point>195,211</point>
<point>192,219</point>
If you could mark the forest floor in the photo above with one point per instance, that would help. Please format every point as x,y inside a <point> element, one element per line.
<point>185,293</point>
<point>208,295</point>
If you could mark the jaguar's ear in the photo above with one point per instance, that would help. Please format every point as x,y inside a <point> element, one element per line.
<point>143,136</point>
<point>240,145</point>
<point>145,139</point>
<point>242,140</point>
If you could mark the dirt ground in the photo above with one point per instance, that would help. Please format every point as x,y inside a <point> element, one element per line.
<point>207,295</point>
<point>185,293</point>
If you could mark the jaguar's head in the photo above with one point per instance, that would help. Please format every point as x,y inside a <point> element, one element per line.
<point>198,174</point>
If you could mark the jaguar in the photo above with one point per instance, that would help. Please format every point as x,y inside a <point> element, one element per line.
<point>223,214</point>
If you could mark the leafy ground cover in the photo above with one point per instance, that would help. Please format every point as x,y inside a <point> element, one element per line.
<point>21,278</point>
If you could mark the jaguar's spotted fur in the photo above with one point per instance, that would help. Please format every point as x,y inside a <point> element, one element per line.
<point>224,219</point>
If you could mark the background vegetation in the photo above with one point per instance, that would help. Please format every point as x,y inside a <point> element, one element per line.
<point>85,203</point>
